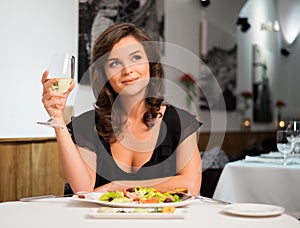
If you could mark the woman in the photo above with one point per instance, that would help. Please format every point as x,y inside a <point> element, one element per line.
<point>132,137</point>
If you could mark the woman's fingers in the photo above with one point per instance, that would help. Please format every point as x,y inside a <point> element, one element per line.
<point>44,77</point>
<point>47,85</point>
<point>54,102</point>
<point>50,101</point>
<point>47,94</point>
<point>71,87</point>
<point>54,106</point>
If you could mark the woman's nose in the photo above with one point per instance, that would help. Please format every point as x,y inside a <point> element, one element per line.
<point>127,69</point>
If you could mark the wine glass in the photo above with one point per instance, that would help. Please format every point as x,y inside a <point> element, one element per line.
<point>293,133</point>
<point>62,68</point>
<point>283,145</point>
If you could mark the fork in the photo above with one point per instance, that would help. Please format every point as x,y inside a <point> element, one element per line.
<point>211,200</point>
<point>203,198</point>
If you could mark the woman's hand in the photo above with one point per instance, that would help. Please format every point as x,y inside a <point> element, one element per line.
<point>121,185</point>
<point>112,186</point>
<point>54,102</point>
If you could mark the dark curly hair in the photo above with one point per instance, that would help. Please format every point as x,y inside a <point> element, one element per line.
<point>106,115</point>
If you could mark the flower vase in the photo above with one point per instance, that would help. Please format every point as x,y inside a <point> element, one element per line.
<point>189,102</point>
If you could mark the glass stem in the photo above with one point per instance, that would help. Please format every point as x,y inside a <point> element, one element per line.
<point>284,162</point>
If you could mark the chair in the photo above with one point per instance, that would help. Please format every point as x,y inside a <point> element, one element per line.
<point>213,162</point>
<point>68,190</point>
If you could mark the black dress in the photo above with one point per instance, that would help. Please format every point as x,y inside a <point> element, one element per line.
<point>177,124</point>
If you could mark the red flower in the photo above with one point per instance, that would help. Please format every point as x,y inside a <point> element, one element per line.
<point>186,78</point>
<point>280,103</point>
<point>246,94</point>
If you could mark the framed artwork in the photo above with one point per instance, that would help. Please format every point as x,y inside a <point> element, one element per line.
<point>263,65</point>
<point>218,51</point>
<point>96,15</point>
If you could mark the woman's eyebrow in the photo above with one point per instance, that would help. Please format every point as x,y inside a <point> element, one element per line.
<point>115,58</point>
<point>111,59</point>
<point>135,52</point>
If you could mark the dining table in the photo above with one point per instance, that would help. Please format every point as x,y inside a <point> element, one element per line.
<point>261,179</point>
<point>67,212</point>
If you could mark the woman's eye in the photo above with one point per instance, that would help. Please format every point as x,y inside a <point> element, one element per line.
<point>136,57</point>
<point>114,64</point>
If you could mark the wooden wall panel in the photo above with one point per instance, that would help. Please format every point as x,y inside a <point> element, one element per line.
<point>235,143</point>
<point>8,172</point>
<point>38,168</point>
<point>30,168</point>
<point>24,174</point>
<point>54,178</point>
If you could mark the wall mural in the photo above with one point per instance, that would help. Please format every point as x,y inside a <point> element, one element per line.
<point>219,53</point>
<point>262,97</point>
<point>96,15</point>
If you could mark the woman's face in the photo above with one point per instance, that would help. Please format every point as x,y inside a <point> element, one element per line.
<point>127,67</point>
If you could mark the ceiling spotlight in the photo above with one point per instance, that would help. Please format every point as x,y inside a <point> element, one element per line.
<point>285,51</point>
<point>270,26</point>
<point>204,3</point>
<point>243,22</point>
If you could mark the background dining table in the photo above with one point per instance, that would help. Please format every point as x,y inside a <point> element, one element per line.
<point>261,180</point>
<point>65,212</point>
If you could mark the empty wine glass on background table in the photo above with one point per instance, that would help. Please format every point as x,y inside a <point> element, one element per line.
<point>283,145</point>
<point>293,134</point>
<point>62,68</point>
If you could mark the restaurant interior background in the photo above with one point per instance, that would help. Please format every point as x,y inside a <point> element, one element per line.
<point>32,31</point>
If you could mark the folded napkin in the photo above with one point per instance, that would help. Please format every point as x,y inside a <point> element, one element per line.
<point>272,160</point>
<point>264,160</point>
<point>272,154</point>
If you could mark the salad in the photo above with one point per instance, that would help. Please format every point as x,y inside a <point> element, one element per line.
<point>143,195</point>
<point>137,210</point>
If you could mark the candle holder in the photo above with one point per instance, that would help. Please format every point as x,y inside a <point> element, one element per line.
<point>245,124</point>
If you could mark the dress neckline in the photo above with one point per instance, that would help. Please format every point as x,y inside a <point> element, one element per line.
<point>153,154</point>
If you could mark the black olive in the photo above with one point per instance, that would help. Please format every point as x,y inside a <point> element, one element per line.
<point>168,200</point>
<point>180,194</point>
<point>130,190</point>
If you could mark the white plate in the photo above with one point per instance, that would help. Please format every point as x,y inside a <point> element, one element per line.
<point>179,213</point>
<point>94,198</point>
<point>253,210</point>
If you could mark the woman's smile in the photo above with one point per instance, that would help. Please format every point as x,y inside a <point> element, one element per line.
<point>130,81</point>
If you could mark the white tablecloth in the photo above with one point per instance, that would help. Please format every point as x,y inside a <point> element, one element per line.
<point>65,213</point>
<point>259,182</point>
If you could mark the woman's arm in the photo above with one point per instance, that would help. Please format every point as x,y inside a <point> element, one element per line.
<point>189,173</point>
<point>79,173</point>
<point>79,164</point>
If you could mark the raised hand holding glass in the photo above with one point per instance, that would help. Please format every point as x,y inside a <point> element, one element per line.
<point>62,68</point>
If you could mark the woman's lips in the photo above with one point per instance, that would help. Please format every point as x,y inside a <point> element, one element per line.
<point>129,81</point>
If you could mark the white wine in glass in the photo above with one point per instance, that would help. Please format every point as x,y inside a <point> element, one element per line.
<point>62,85</point>
<point>62,68</point>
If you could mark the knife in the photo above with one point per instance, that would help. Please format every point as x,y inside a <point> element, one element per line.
<point>33,198</point>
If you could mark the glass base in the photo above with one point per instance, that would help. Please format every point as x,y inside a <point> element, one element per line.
<point>50,123</point>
